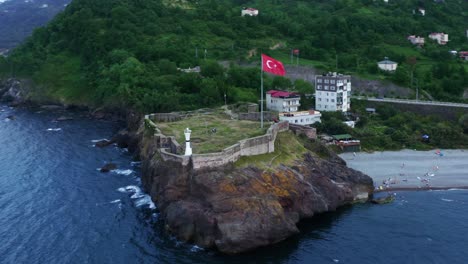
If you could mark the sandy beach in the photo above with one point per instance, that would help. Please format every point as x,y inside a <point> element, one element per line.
<point>409,169</point>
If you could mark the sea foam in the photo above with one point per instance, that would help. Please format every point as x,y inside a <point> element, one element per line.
<point>140,197</point>
<point>123,172</point>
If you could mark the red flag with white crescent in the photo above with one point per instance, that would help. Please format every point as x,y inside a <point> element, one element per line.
<point>272,66</point>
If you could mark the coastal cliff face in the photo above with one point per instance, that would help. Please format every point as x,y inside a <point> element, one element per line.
<point>237,209</point>
<point>13,91</point>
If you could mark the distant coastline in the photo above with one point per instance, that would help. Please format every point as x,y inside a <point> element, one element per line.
<point>413,170</point>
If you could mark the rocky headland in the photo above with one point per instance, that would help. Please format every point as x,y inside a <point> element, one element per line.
<point>237,208</point>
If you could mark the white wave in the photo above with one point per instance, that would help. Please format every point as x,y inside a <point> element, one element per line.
<point>140,197</point>
<point>135,163</point>
<point>145,200</point>
<point>123,172</point>
<point>115,201</point>
<point>196,248</point>
<point>54,129</point>
<point>129,189</point>
<point>446,200</point>
<point>137,195</point>
<point>97,140</point>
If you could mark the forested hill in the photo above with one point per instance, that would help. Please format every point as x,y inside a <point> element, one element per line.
<point>126,52</point>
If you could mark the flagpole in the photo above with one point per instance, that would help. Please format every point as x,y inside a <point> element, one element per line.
<point>261,96</point>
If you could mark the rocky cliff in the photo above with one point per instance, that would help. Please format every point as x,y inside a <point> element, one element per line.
<point>13,91</point>
<point>239,208</point>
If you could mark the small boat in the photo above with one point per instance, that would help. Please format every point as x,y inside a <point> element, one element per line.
<point>383,200</point>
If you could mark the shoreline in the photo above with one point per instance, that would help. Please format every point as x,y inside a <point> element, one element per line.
<point>414,189</point>
<point>411,170</point>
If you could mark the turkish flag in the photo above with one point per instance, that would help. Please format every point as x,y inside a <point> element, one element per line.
<point>272,66</point>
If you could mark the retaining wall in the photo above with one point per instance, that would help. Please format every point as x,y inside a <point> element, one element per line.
<point>446,112</point>
<point>310,132</point>
<point>170,149</point>
<point>255,116</point>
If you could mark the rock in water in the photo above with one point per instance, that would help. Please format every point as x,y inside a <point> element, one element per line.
<point>64,118</point>
<point>103,143</point>
<point>108,167</point>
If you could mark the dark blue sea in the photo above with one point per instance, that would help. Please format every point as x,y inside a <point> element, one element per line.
<point>56,207</point>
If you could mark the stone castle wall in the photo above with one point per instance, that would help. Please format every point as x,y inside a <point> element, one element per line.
<point>171,150</point>
<point>309,132</point>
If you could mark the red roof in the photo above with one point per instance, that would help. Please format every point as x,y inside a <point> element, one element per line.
<point>282,94</point>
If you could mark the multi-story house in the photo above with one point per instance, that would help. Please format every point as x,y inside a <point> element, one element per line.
<point>287,104</point>
<point>249,12</point>
<point>333,92</point>
<point>416,40</point>
<point>441,38</point>
<point>282,101</point>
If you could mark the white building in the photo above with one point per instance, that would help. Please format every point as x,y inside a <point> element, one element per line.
<point>282,101</point>
<point>387,65</point>
<point>441,38</point>
<point>249,12</point>
<point>422,11</point>
<point>287,104</point>
<point>301,117</point>
<point>333,92</point>
<point>416,40</point>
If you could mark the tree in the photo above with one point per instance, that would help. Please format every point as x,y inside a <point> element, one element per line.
<point>463,121</point>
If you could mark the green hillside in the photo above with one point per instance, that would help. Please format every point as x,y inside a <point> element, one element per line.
<point>126,53</point>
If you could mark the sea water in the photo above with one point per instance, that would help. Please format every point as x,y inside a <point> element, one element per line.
<point>56,207</point>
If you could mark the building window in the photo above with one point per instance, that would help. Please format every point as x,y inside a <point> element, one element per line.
<point>295,121</point>
<point>332,100</point>
<point>320,99</point>
<point>327,81</point>
<point>332,81</point>
<point>327,100</point>
<point>319,80</point>
<point>327,94</point>
<point>319,86</point>
<point>325,106</point>
<point>326,87</point>
<point>302,120</point>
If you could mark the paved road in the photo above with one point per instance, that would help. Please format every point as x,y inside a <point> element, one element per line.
<point>406,101</point>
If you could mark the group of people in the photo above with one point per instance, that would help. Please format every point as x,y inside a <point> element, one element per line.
<point>425,179</point>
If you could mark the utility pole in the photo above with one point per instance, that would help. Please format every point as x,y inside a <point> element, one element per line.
<point>417,89</point>
<point>196,52</point>
<point>336,62</point>
<point>205,53</point>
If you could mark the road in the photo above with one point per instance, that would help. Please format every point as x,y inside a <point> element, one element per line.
<point>407,101</point>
